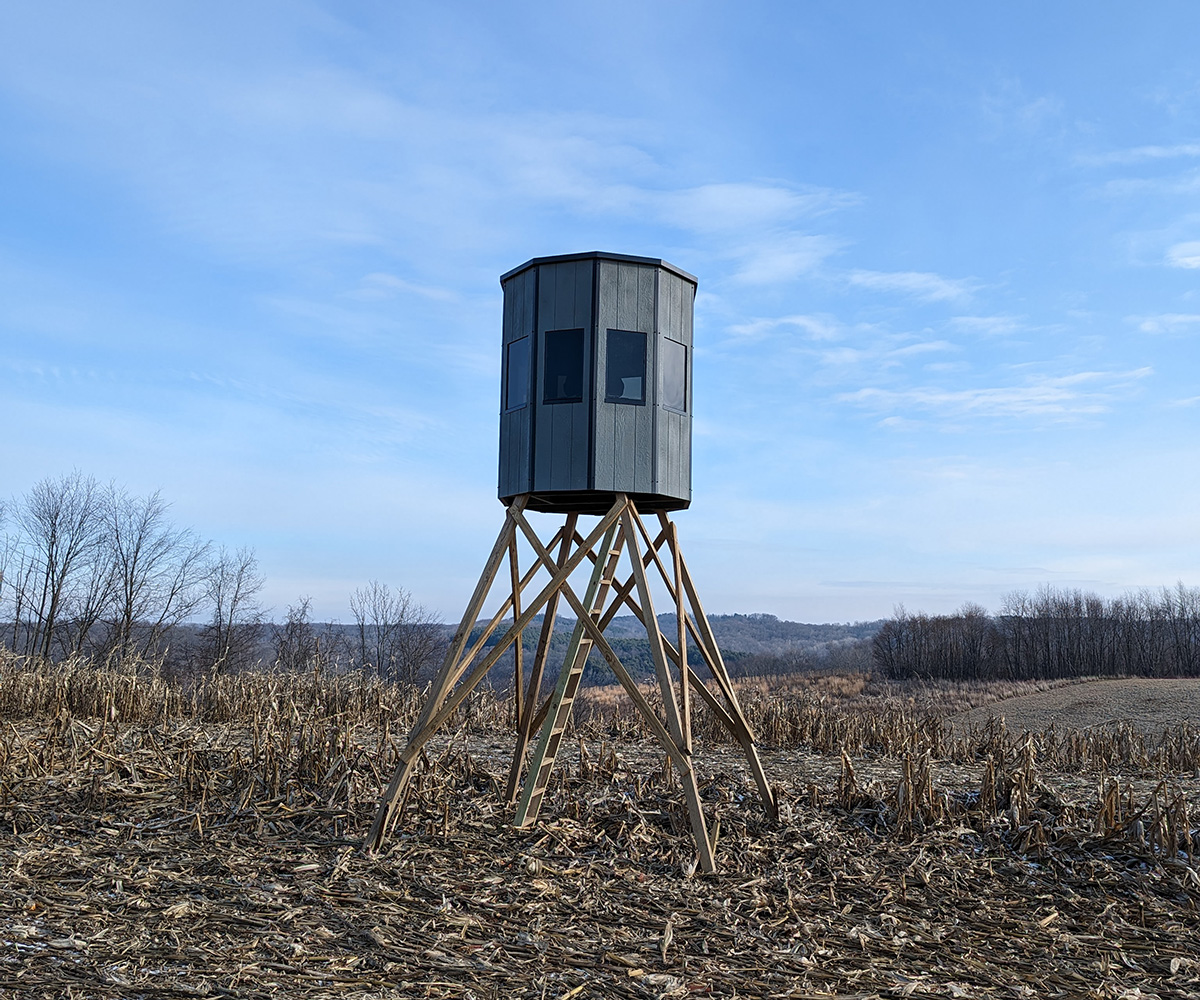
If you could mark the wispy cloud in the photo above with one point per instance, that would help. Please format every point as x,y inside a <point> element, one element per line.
<point>1168,323</point>
<point>1066,396</point>
<point>739,205</point>
<point>1009,109</point>
<point>379,285</point>
<point>1182,182</point>
<point>986,326</point>
<point>814,327</point>
<point>920,285</point>
<point>1185,255</point>
<point>884,353</point>
<point>780,258</point>
<point>1141,154</point>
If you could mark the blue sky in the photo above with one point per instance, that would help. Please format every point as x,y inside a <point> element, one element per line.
<point>948,329</point>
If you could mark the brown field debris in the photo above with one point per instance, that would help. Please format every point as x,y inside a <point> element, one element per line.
<point>163,841</point>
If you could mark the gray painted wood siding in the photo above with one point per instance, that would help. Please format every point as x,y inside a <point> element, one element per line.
<point>598,446</point>
<point>624,446</point>
<point>673,459</point>
<point>516,426</point>
<point>562,441</point>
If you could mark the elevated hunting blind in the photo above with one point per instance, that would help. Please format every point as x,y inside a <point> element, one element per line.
<point>596,377</point>
<point>595,421</point>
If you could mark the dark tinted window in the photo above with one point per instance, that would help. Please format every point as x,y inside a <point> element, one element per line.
<point>562,380</point>
<point>625,367</point>
<point>674,374</point>
<point>516,388</point>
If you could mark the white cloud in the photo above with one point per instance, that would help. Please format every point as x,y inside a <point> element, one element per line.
<point>816,327</point>
<point>884,353</point>
<point>379,285</point>
<point>922,347</point>
<point>1187,182</point>
<point>1185,255</point>
<point>1009,109</point>
<point>1078,394</point>
<point>775,259</point>
<point>986,326</point>
<point>736,206</point>
<point>920,285</point>
<point>1142,154</point>
<point>1167,323</point>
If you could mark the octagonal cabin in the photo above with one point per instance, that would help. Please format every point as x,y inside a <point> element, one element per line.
<point>596,383</point>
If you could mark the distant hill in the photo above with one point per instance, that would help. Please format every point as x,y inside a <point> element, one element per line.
<point>758,633</point>
<point>750,644</point>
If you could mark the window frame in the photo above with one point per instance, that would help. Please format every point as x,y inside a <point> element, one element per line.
<point>625,400</point>
<point>509,405</point>
<point>663,375</point>
<point>546,337</point>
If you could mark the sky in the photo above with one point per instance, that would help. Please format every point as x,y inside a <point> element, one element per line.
<point>948,320</point>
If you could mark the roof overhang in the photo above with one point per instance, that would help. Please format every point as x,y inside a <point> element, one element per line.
<point>599,255</point>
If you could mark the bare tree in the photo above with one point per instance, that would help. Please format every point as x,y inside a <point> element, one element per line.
<point>297,644</point>
<point>397,637</point>
<point>1053,633</point>
<point>158,574</point>
<point>10,554</point>
<point>233,584</point>
<point>62,525</point>
<point>87,598</point>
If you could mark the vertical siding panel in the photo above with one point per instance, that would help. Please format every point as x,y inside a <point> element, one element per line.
<point>627,297</point>
<point>606,456</point>
<point>524,458</point>
<point>673,451</point>
<point>671,304</point>
<point>643,455</point>
<point>681,486</point>
<point>581,413</point>
<point>504,460</point>
<point>544,415</point>
<point>560,469</point>
<point>674,439</point>
<point>623,429</point>
<point>514,436</point>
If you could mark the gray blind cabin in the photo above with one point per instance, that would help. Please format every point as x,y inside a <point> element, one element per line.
<point>596,394</point>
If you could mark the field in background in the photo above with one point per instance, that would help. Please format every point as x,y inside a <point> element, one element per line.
<point>201,840</point>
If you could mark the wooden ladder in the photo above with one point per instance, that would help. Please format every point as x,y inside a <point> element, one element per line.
<point>559,706</point>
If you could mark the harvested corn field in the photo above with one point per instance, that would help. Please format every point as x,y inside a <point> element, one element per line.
<point>161,841</point>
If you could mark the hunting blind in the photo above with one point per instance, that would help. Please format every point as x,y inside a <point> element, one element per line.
<point>595,421</point>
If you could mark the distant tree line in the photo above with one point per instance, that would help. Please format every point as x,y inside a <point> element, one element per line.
<point>92,570</point>
<point>1050,634</point>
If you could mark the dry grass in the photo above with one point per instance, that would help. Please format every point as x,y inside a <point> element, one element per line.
<point>169,841</point>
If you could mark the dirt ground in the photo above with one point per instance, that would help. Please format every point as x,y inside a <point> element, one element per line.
<point>1150,704</point>
<point>171,859</point>
<point>121,885</point>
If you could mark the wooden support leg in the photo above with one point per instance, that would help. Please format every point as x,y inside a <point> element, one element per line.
<point>687,773</point>
<point>711,653</point>
<point>716,665</point>
<point>527,710</point>
<point>558,714</point>
<point>685,702</point>
<point>445,676</point>
<point>728,714</point>
<point>514,572</point>
<point>557,582</point>
<point>627,682</point>
<point>617,531</point>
